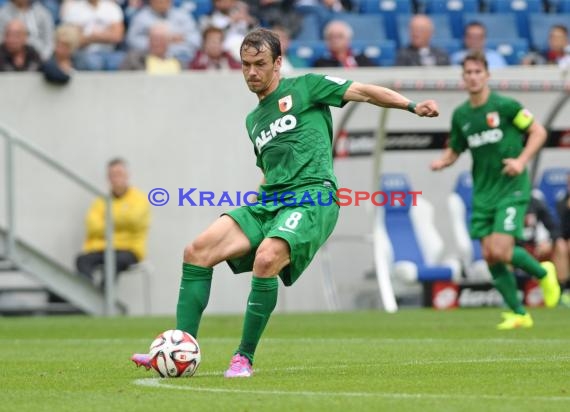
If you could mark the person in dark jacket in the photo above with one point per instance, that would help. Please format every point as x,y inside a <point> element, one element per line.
<point>420,52</point>
<point>15,54</point>
<point>338,36</point>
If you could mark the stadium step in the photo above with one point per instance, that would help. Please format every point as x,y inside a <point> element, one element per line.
<point>28,281</point>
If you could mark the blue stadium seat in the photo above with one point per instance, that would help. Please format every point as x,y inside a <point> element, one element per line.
<point>553,185</point>
<point>563,6</point>
<point>311,28</point>
<point>449,45</point>
<point>442,28</point>
<point>382,52</point>
<point>408,239</point>
<point>520,8</point>
<point>364,26</point>
<point>540,25</point>
<point>307,51</point>
<point>198,8</point>
<point>513,50</point>
<point>390,9</point>
<point>385,6</point>
<point>455,9</point>
<point>503,26</point>
<point>460,208</point>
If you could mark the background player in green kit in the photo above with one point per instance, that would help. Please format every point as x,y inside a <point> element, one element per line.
<point>291,130</point>
<point>492,127</point>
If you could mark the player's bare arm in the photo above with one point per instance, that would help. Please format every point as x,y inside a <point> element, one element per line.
<point>447,159</point>
<point>384,97</point>
<point>536,139</point>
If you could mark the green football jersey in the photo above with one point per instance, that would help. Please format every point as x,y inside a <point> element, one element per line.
<point>291,130</point>
<point>492,132</point>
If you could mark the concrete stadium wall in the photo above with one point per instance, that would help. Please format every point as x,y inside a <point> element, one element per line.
<point>188,131</point>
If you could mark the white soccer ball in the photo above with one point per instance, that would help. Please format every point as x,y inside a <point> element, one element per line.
<point>175,353</point>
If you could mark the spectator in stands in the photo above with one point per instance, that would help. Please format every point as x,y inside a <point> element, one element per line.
<point>474,38</point>
<point>38,21</point>
<point>419,52</point>
<point>59,67</point>
<point>234,18</point>
<point>131,7</point>
<point>542,237</point>
<point>15,54</point>
<point>131,217</point>
<point>276,12</point>
<point>558,45</point>
<point>102,29</point>
<point>288,62</point>
<point>563,207</point>
<point>184,38</point>
<point>338,36</point>
<point>156,60</point>
<point>324,8</point>
<point>212,55</point>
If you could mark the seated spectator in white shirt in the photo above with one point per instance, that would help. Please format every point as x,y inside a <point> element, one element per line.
<point>184,33</point>
<point>102,30</point>
<point>234,18</point>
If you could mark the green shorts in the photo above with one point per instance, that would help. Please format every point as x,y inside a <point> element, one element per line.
<point>507,217</point>
<point>305,227</point>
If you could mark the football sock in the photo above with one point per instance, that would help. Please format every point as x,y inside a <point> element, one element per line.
<point>261,302</point>
<point>523,260</point>
<point>506,284</point>
<point>192,297</point>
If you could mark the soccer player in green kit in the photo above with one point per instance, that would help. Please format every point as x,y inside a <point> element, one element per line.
<point>291,131</point>
<point>491,126</point>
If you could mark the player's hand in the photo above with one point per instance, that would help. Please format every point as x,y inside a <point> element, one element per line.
<point>513,167</point>
<point>438,164</point>
<point>427,108</point>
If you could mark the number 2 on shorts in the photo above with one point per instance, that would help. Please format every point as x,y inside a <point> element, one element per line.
<point>509,222</point>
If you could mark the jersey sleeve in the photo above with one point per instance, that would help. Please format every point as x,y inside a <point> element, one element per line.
<point>326,89</point>
<point>520,117</point>
<point>457,142</point>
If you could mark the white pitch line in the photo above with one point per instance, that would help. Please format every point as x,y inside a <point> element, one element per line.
<point>409,363</point>
<point>526,359</point>
<point>162,384</point>
<point>507,341</point>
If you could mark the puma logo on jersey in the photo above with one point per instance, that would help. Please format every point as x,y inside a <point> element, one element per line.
<point>486,137</point>
<point>280,125</point>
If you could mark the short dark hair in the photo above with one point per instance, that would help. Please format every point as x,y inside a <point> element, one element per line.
<point>211,29</point>
<point>260,38</point>
<point>474,24</point>
<point>559,27</point>
<point>116,161</point>
<point>476,56</point>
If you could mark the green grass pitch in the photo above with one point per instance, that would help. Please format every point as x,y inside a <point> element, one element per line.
<point>414,360</point>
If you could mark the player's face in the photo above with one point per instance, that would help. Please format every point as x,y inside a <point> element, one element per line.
<point>260,72</point>
<point>475,76</point>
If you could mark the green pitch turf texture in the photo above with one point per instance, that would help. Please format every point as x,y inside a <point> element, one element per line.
<point>414,360</point>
